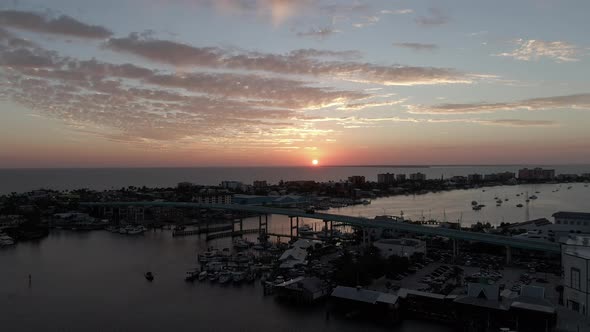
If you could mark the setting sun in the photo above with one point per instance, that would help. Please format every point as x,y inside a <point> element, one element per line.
<point>315,162</point>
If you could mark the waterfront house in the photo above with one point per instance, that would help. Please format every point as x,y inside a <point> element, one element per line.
<point>483,309</point>
<point>365,303</point>
<point>302,290</point>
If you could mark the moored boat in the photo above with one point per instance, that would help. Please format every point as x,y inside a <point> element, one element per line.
<point>149,276</point>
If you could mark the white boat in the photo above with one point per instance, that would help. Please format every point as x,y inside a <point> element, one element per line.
<point>134,230</point>
<point>305,230</point>
<point>241,244</point>
<point>213,276</point>
<point>6,240</point>
<point>224,277</point>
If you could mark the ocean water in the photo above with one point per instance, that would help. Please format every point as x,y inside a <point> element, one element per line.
<point>20,180</point>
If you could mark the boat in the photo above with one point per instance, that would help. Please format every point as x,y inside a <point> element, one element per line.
<point>305,230</point>
<point>534,197</point>
<point>473,202</point>
<point>250,277</point>
<point>241,244</point>
<point>366,202</point>
<point>224,277</point>
<point>499,201</point>
<point>213,276</point>
<point>191,275</point>
<point>203,275</point>
<point>134,230</point>
<point>519,205</point>
<point>149,276</point>
<point>6,240</point>
<point>112,229</point>
<point>476,207</point>
<point>238,276</point>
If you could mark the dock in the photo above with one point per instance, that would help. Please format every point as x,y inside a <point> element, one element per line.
<point>232,233</point>
<point>202,230</point>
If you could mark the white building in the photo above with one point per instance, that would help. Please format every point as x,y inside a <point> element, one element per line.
<point>400,247</point>
<point>565,224</point>
<point>221,198</point>
<point>575,258</point>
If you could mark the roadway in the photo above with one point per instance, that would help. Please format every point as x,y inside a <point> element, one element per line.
<point>354,221</point>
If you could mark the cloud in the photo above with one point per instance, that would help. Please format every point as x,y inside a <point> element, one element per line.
<point>397,11</point>
<point>528,50</point>
<point>139,106</point>
<point>278,11</point>
<point>362,106</point>
<point>63,25</point>
<point>576,101</point>
<point>294,63</point>
<point>318,33</point>
<point>368,21</point>
<point>435,17</point>
<point>417,46</point>
<point>500,122</point>
<point>362,122</point>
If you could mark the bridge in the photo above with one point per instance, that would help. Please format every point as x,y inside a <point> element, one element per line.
<point>364,223</point>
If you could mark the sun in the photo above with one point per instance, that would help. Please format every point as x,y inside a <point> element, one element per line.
<point>315,162</point>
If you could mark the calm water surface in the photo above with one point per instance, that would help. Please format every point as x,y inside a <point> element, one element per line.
<point>94,282</point>
<point>456,204</point>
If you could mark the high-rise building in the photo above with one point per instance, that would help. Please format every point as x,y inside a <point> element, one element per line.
<point>386,178</point>
<point>418,176</point>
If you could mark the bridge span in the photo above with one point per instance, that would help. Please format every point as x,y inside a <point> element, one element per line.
<point>505,241</point>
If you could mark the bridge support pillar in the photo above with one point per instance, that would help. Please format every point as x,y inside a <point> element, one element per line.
<point>262,225</point>
<point>239,222</point>
<point>455,249</point>
<point>325,229</point>
<point>331,229</point>
<point>294,231</point>
<point>508,255</point>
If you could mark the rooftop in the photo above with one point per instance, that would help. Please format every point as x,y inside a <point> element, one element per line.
<point>572,215</point>
<point>363,295</point>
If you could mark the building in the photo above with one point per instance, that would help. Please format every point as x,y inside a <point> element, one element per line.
<point>293,257</point>
<point>356,180</point>
<point>575,262</point>
<point>213,198</point>
<point>260,184</point>
<point>302,290</point>
<point>400,177</point>
<point>184,185</point>
<point>400,247</point>
<point>418,177</point>
<point>232,185</point>
<point>536,174</point>
<point>366,303</point>
<point>474,177</point>
<point>386,178</point>
<point>484,309</point>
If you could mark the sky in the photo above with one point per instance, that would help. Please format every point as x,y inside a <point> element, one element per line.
<point>152,83</point>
